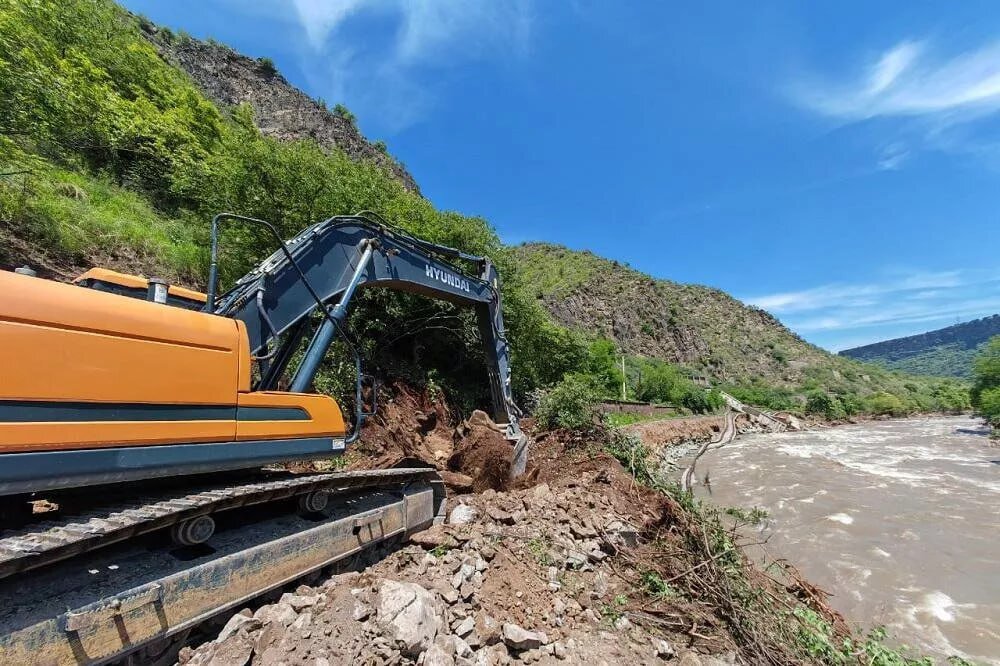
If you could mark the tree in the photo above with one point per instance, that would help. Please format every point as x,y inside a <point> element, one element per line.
<point>569,404</point>
<point>986,369</point>
<point>602,365</point>
<point>989,406</point>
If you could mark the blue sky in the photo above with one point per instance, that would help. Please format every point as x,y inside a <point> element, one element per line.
<point>835,163</point>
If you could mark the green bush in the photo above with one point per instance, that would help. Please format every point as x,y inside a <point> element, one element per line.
<point>885,404</point>
<point>572,404</point>
<point>266,67</point>
<point>989,406</point>
<point>823,404</point>
<point>986,370</point>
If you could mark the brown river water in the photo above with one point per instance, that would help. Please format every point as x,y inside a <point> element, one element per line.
<point>899,520</point>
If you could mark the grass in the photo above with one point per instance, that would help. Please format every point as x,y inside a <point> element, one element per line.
<point>75,215</point>
<point>619,419</point>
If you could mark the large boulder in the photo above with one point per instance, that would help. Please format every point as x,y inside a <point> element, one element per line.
<point>409,615</point>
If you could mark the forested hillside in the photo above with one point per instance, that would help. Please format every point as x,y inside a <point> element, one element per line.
<point>946,352</point>
<point>706,332</point>
<point>119,140</point>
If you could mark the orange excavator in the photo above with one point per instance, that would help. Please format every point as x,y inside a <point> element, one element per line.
<point>117,382</point>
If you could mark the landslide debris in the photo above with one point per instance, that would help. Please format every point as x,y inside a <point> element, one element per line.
<point>578,564</point>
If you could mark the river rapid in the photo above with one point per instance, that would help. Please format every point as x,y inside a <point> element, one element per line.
<point>899,520</point>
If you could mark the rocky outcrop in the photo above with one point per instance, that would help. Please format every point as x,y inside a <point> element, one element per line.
<point>280,109</point>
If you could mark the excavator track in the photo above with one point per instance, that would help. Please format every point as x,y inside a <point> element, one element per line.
<point>136,600</point>
<point>44,543</point>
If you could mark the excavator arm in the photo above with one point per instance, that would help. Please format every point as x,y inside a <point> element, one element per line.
<point>320,270</point>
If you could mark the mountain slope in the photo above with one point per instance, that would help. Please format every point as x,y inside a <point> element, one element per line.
<point>699,328</point>
<point>281,110</point>
<point>946,352</point>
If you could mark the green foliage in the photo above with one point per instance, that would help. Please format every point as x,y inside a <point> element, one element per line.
<point>885,404</point>
<point>343,112</point>
<point>266,67</point>
<point>603,366</point>
<point>817,639</point>
<point>127,161</point>
<point>752,516</point>
<point>947,352</point>
<point>569,404</point>
<point>771,397</point>
<point>823,404</point>
<point>655,586</point>
<point>989,405</point>
<point>986,370</point>
<point>381,147</point>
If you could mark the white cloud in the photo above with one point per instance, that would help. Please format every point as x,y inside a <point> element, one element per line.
<point>903,303</point>
<point>854,295</point>
<point>386,81</point>
<point>907,80</point>
<point>936,101</point>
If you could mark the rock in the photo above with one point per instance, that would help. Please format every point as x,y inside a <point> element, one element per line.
<point>457,483</point>
<point>542,493</point>
<point>237,622</point>
<point>519,638</point>
<point>488,630</point>
<point>493,655</point>
<point>500,516</point>
<point>434,537</point>
<point>575,560</point>
<point>278,613</point>
<point>438,656</point>
<point>662,649</point>
<point>302,621</point>
<point>689,659</point>
<point>622,623</point>
<point>462,514</point>
<point>559,650</point>
<point>408,614</point>
<point>465,627</point>
<point>341,580</point>
<point>600,585</point>
<point>559,606</point>
<point>299,601</point>
<point>362,611</point>
<point>481,419</point>
<point>234,651</point>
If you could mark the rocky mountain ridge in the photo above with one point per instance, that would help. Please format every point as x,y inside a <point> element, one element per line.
<point>701,328</point>
<point>946,351</point>
<point>281,110</point>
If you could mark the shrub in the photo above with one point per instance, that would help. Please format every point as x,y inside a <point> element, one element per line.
<point>569,404</point>
<point>885,404</point>
<point>266,67</point>
<point>989,406</point>
<point>342,111</point>
<point>825,405</point>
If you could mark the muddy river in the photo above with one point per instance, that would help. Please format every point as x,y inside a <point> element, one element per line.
<point>899,520</point>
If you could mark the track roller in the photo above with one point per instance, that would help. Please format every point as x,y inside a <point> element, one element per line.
<point>193,530</point>
<point>314,502</point>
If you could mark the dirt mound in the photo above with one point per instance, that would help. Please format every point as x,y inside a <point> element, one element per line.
<point>409,425</point>
<point>415,428</point>
<point>482,453</point>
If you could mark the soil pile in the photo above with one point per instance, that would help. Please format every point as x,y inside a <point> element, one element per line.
<point>537,575</point>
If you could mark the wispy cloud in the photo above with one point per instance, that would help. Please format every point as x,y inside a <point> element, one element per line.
<point>388,80</point>
<point>908,80</point>
<point>929,93</point>
<point>835,313</point>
